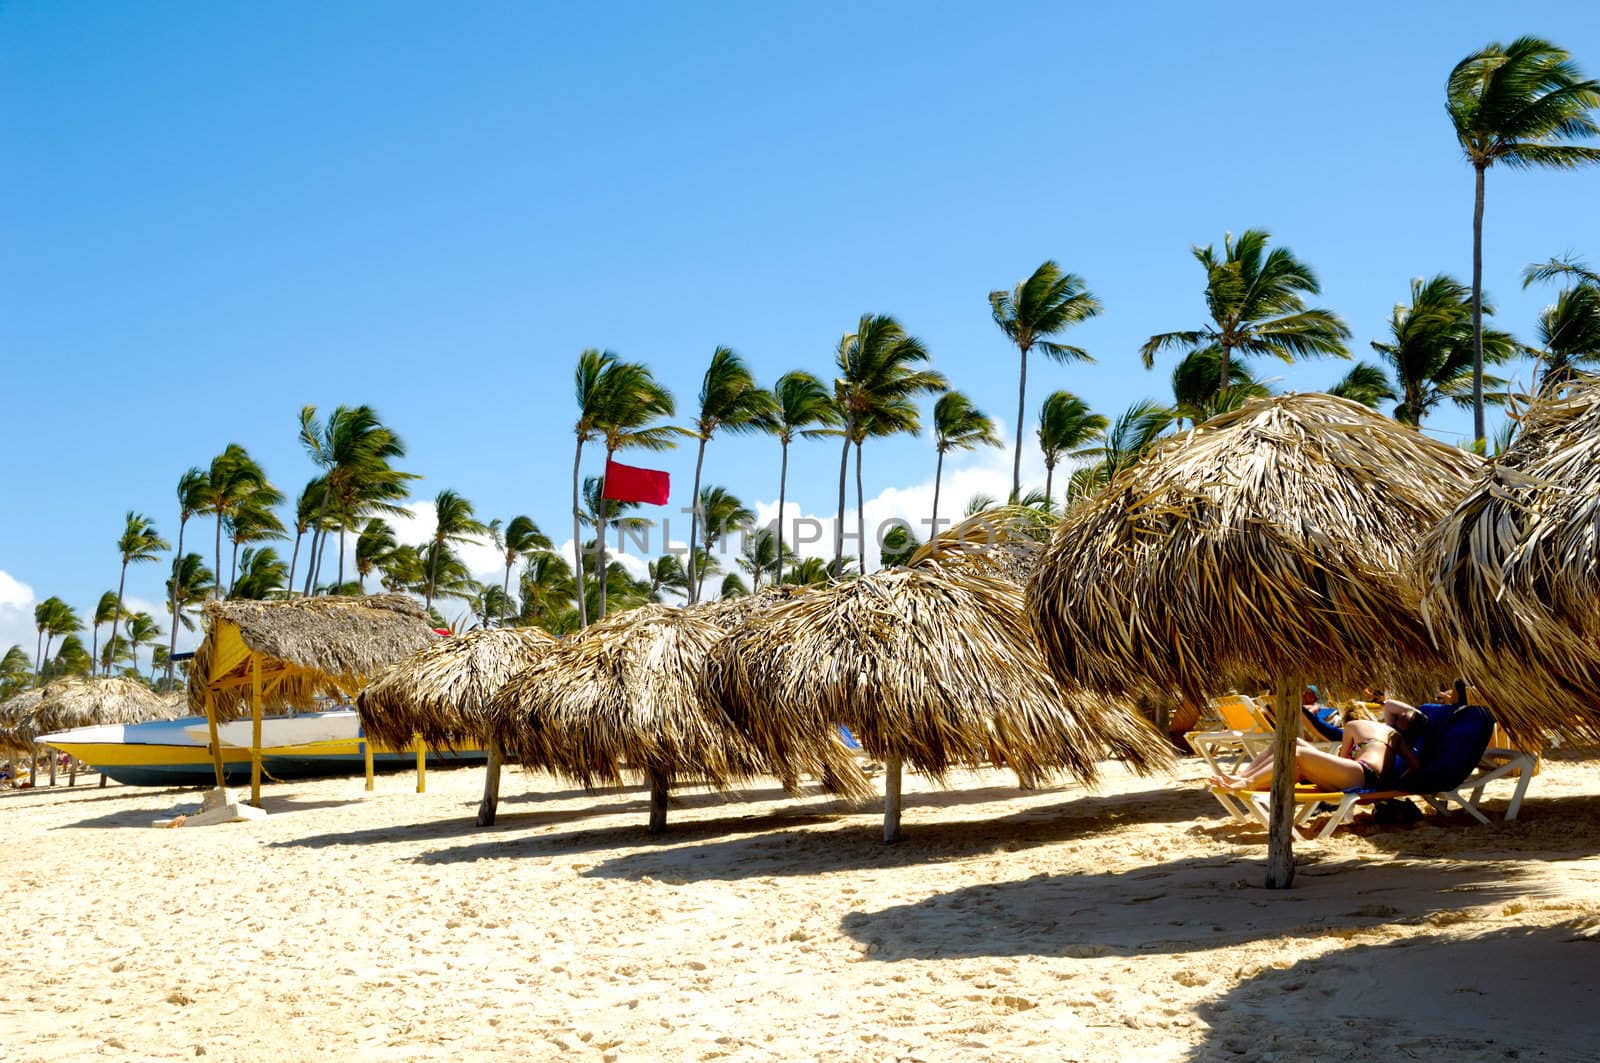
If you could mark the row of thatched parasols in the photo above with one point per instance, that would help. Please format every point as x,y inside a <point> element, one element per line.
<point>77,702</point>
<point>1294,537</point>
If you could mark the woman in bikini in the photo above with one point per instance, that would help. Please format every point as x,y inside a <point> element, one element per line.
<point>1372,756</point>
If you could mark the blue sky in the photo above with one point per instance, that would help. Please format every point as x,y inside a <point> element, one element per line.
<point>218,213</point>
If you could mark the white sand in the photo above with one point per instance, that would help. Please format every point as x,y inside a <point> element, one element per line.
<point>1049,924</point>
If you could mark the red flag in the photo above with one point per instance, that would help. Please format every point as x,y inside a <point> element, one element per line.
<point>624,483</point>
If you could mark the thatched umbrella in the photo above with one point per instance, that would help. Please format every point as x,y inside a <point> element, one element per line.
<point>931,667</point>
<point>1512,575</point>
<point>1003,541</point>
<point>17,728</point>
<point>624,698</point>
<point>283,654</point>
<point>442,692</point>
<point>93,701</point>
<point>1275,539</point>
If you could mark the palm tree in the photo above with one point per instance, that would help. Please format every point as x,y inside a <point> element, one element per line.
<point>1520,104</point>
<point>142,631</point>
<point>375,543</point>
<point>1046,304</point>
<point>353,449</point>
<point>262,575</point>
<point>1197,391</point>
<point>1431,344</point>
<point>71,659</point>
<point>1367,384</point>
<point>189,585</point>
<point>1133,433</point>
<point>231,481</point>
<point>811,571</point>
<point>403,570</point>
<point>801,401</point>
<point>491,603</point>
<point>899,543</point>
<point>957,425</point>
<point>52,617</point>
<point>591,383</point>
<point>546,589</point>
<point>13,672</point>
<point>877,380</point>
<point>105,611</point>
<point>453,523</point>
<point>253,521</point>
<point>139,542</point>
<point>520,538</point>
<point>1256,302</point>
<point>723,512</point>
<point>667,574</point>
<point>631,401</point>
<point>758,556</point>
<point>1569,329</point>
<point>733,587</point>
<point>191,500</point>
<point>306,508</point>
<point>731,400</point>
<point>1067,428</point>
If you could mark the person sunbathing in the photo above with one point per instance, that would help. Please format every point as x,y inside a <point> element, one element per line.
<point>1373,755</point>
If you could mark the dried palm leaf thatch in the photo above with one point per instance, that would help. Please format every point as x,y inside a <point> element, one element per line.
<point>86,702</point>
<point>442,692</point>
<point>623,699</point>
<point>1512,576</point>
<point>931,666</point>
<point>329,645</point>
<point>1277,538</point>
<point>18,727</point>
<point>729,613</point>
<point>1005,541</point>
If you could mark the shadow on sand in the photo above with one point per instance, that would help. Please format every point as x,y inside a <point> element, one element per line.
<point>1180,906</point>
<point>189,804</point>
<point>1521,992</point>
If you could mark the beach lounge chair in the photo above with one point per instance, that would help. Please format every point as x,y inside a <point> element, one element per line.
<point>1457,764</point>
<point>1247,731</point>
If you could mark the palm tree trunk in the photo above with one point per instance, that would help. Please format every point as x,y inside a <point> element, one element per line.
<point>38,656</point>
<point>938,474</point>
<point>783,482</point>
<point>316,536</point>
<point>94,649</point>
<point>600,544</point>
<point>177,559</point>
<point>861,523</point>
<point>577,540</point>
<point>116,617</point>
<point>838,526</point>
<point>294,558</point>
<point>344,522</point>
<point>694,521</point>
<point>1049,480</point>
<point>216,584</point>
<point>1477,306</point>
<point>1225,374</point>
<point>1022,400</point>
<point>233,572</point>
<point>433,572</point>
<point>322,551</point>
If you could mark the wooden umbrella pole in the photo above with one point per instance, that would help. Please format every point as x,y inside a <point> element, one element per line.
<point>366,756</point>
<point>255,730</point>
<point>891,798</point>
<point>52,766</point>
<point>72,771</point>
<point>216,743</point>
<point>422,763</point>
<point>658,801</point>
<point>491,787</point>
<point>1280,833</point>
<point>33,764</point>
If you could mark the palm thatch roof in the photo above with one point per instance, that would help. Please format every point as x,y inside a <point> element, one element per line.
<point>306,647</point>
<point>86,702</point>
<point>1512,575</point>
<point>442,692</point>
<point>17,725</point>
<point>729,613</point>
<point>933,666</point>
<point>1276,539</point>
<point>624,698</point>
<point>1004,541</point>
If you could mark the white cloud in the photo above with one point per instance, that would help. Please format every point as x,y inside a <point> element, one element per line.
<point>16,614</point>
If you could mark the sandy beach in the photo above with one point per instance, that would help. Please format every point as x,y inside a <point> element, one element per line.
<point>1124,923</point>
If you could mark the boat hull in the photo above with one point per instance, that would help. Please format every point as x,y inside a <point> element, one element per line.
<point>167,753</point>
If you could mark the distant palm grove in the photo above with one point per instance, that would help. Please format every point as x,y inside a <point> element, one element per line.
<point>236,534</point>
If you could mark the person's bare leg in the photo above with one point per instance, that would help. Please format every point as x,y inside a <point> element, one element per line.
<point>1252,771</point>
<point>1326,770</point>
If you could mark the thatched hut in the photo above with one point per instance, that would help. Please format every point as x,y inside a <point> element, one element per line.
<point>928,667</point>
<point>1512,575</point>
<point>1275,539</point>
<point>441,694</point>
<point>281,655</point>
<point>624,699</point>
